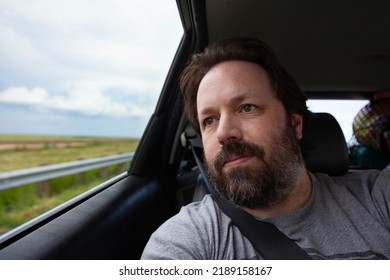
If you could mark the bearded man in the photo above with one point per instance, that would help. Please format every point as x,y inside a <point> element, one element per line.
<point>250,113</point>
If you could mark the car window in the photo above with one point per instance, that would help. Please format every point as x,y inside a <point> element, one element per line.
<point>343,110</point>
<point>79,79</point>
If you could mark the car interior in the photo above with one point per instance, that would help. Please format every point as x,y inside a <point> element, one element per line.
<point>335,49</point>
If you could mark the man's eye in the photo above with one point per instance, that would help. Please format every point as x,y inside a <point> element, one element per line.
<point>248,108</point>
<point>208,121</point>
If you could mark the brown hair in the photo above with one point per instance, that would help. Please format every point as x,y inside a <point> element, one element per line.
<point>245,49</point>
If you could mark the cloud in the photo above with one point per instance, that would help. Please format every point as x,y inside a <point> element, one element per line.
<point>86,57</point>
<point>87,100</point>
<point>14,121</point>
<point>114,37</point>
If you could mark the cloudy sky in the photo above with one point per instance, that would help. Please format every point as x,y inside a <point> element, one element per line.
<point>84,67</point>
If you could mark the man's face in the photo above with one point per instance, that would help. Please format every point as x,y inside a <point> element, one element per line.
<point>250,145</point>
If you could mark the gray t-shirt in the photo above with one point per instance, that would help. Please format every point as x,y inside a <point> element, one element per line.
<point>347,217</point>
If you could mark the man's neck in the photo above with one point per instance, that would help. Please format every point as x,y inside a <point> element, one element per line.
<point>298,199</point>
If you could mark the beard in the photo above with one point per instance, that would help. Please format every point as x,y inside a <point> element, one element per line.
<point>267,182</point>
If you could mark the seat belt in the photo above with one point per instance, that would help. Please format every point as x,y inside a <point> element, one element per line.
<point>265,237</point>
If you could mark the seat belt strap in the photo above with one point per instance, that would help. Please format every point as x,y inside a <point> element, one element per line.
<point>265,237</point>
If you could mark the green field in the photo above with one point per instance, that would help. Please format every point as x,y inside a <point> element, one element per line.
<point>26,151</point>
<point>21,204</point>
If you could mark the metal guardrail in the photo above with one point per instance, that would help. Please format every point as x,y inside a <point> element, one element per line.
<point>13,179</point>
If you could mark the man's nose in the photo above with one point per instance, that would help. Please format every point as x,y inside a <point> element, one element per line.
<point>228,129</point>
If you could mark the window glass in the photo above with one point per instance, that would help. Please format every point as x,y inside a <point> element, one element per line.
<point>79,79</point>
<point>343,110</point>
<point>83,67</point>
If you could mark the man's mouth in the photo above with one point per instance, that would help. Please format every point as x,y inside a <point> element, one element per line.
<point>235,161</point>
<point>236,154</point>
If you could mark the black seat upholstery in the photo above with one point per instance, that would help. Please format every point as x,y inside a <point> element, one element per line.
<point>323,145</point>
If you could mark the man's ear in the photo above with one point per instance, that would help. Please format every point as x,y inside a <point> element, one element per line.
<point>297,121</point>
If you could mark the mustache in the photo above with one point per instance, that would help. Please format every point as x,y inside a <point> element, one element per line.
<point>235,149</point>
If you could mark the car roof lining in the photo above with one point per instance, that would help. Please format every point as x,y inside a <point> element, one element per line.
<point>325,50</point>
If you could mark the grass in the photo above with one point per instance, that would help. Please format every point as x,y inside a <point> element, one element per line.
<point>23,213</point>
<point>52,138</point>
<point>21,158</point>
<point>21,204</point>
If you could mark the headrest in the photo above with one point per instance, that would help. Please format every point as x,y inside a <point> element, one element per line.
<point>323,145</point>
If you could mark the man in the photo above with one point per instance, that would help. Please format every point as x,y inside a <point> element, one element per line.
<point>250,114</point>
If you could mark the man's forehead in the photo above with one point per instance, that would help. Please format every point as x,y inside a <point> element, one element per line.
<point>234,81</point>
<point>234,97</point>
<point>235,70</point>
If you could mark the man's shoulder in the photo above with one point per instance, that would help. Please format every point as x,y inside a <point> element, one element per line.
<point>206,202</point>
<point>196,214</point>
<point>369,176</point>
<point>359,183</point>
<point>199,231</point>
<point>199,208</point>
